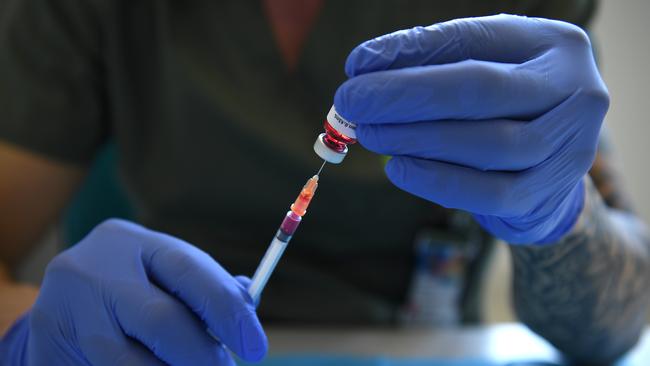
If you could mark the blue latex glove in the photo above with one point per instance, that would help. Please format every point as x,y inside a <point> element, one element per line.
<point>498,116</point>
<point>126,295</point>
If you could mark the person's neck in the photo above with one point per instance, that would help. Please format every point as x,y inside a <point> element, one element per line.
<point>291,21</point>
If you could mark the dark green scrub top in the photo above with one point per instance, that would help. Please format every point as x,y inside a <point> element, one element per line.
<point>215,137</point>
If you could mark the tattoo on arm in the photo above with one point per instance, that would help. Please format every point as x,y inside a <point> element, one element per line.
<point>588,293</point>
<point>608,184</point>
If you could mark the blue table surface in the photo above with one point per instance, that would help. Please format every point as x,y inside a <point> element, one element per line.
<point>510,344</point>
<point>343,360</point>
<point>319,360</point>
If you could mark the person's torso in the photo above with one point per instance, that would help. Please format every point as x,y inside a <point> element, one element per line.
<point>215,139</point>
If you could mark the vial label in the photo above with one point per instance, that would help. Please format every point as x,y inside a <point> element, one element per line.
<point>340,124</point>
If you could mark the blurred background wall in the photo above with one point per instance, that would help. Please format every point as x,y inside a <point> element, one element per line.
<point>622,33</point>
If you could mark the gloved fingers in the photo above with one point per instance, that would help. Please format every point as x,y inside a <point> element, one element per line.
<point>117,350</point>
<point>573,143</point>
<point>548,223</point>
<point>193,277</point>
<point>454,186</point>
<point>212,294</point>
<point>466,90</point>
<point>167,327</point>
<point>500,145</point>
<point>499,38</point>
<point>558,175</point>
<point>245,281</point>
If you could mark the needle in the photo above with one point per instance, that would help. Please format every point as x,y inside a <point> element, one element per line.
<point>321,167</point>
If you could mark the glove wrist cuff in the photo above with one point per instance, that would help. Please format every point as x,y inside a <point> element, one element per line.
<point>541,230</point>
<point>568,213</point>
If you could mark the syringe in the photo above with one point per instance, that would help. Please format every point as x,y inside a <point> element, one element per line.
<point>331,146</point>
<point>282,237</point>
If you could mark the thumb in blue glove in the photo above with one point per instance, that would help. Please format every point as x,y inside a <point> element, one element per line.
<point>126,295</point>
<point>498,116</point>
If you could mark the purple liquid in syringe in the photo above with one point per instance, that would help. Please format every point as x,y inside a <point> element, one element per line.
<point>290,223</point>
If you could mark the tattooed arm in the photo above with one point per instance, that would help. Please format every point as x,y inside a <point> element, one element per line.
<point>588,293</point>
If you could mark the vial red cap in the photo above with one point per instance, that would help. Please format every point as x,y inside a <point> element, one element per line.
<point>345,128</point>
<point>332,146</point>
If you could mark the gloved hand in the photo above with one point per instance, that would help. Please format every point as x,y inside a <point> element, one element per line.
<point>126,295</point>
<point>498,116</point>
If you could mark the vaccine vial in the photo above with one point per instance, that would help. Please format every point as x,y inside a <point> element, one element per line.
<point>332,146</point>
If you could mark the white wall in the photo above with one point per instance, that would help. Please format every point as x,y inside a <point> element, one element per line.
<point>622,34</point>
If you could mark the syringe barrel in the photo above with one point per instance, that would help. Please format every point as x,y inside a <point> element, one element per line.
<point>266,267</point>
<point>287,228</point>
<point>273,255</point>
